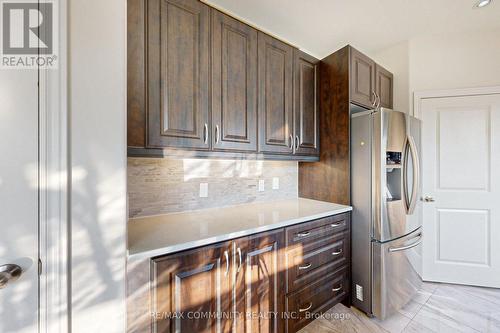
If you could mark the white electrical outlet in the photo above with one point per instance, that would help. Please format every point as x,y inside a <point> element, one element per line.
<point>261,185</point>
<point>276,183</point>
<point>203,190</point>
<point>359,292</point>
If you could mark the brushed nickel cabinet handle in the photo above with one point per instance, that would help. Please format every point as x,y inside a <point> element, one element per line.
<point>291,142</point>
<point>337,289</point>
<point>226,254</point>
<point>216,133</point>
<point>306,266</point>
<point>297,140</point>
<point>337,252</point>
<point>303,234</point>
<point>338,224</point>
<point>240,259</point>
<point>205,133</point>
<point>374,95</point>
<point>306,308</point>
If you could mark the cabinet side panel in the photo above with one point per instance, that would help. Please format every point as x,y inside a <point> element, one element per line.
<point>328,179</point>
<point>136,96</point>
<point>361,152</point>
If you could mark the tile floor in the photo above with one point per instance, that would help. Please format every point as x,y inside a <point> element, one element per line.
<point>436,308</point>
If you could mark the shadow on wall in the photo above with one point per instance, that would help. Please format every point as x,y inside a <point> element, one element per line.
<point>98,244</point>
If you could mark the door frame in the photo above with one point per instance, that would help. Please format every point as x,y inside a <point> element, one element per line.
<point>54,240</point>
<point>419,96</point>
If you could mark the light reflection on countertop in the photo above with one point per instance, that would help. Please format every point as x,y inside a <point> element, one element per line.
<point>163,234</point>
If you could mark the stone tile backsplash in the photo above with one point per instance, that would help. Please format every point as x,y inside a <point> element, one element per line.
<point>161,186</point>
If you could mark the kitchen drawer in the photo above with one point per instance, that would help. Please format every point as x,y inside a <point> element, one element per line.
<point>316,260</point>
<point>317,229</point>
<point>308,303</point>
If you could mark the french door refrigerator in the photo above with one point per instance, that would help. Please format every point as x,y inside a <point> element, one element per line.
<point>387,212</point>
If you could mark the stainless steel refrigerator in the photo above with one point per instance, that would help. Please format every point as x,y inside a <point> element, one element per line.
<point>387,214</point>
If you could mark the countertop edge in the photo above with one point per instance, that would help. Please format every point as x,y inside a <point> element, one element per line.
<point>226,237</point>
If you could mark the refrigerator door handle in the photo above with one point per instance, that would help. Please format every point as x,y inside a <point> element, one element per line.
<point>406,247</point>
<point>410,143</point>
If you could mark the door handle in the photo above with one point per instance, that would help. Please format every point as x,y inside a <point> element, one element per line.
<point>335,225</point>
<point>291,142</point>
<point>9,273</point>
<point>428,199</point>
<point>374,99</point>
<point>410,204</point>
<point>297,140</point>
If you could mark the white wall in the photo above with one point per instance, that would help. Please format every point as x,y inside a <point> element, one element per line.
<point>445,61</point>
<point>97,103</point>
<point>396,60</point>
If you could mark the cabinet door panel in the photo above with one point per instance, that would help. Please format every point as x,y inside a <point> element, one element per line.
<point>384,86</point>
<point>275,95</point>
<point>260,283</point>
<point>178,73</point>
<point>306,108</point>
<point>362,79</point>
<point>234,84</point>
<point>189,284</point>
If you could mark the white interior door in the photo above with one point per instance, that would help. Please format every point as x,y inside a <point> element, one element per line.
<point>18,200</point>
<point>461,178</point>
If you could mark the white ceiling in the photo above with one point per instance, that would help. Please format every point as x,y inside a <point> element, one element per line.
<point>323,26</point>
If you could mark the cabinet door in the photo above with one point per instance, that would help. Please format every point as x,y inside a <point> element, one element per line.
<point>191,288</point>
<point>306,115</point>
<point>260,283</point>
<point>178,73</point>
<point>384,86</point>
<point>362,79</point>
<point>275,95</point>
<point>234,84</point>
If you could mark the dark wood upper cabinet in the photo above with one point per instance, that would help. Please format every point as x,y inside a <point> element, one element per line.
<point>384,86</point>
<point>306,122</point>
<point>260,282</point>
<point>178,73</point>
<point>203,84</point>
<point>195,281</point>
<point>234,84</point>
<point>275,62</point>
<point>362,79</point>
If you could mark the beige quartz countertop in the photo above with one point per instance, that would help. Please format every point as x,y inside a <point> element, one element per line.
<point>164,234</point>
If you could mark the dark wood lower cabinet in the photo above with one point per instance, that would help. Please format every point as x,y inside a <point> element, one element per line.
<point>270,282</point>
<point>260,283</point>
<point>190,289</point>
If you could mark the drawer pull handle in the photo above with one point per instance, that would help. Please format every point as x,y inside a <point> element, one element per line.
<point>335,225</point>
<point>303,234</point>
<point>337,252</point>
<point>306,308</point>
<point>337,289</point>
<point>306,266</point>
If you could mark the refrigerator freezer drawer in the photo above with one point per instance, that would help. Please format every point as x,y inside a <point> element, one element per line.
<point>395,273</point>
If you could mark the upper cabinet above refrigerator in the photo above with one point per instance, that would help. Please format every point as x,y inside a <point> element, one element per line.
<point>371,84</point>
